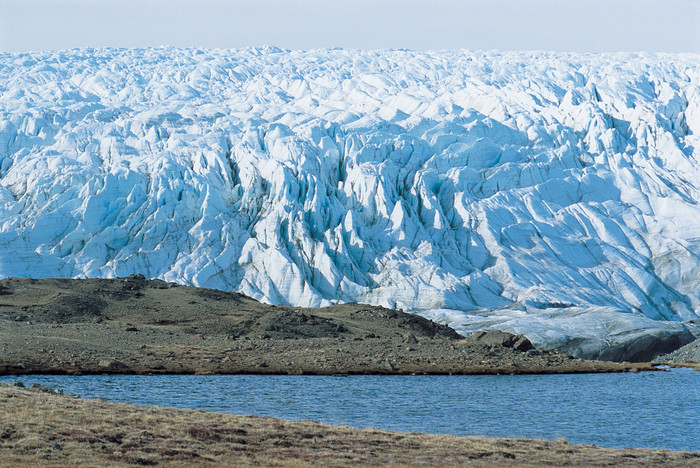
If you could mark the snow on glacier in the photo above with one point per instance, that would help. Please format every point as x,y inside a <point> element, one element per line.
<point>549,194</point>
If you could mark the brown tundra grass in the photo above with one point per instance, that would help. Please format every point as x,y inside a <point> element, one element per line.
<point>43,429</point>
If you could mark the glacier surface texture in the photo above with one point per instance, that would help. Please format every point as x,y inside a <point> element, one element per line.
<point>554,195</point>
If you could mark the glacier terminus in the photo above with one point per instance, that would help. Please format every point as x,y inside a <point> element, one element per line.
<point>549,194</point>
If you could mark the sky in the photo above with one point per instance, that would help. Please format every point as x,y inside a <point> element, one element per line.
<point>557,25</point>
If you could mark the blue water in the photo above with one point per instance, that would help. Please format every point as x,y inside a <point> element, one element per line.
<point>649,409</point>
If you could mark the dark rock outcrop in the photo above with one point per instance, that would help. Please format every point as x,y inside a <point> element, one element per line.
<point>645,348</point>
<point>497,338</point>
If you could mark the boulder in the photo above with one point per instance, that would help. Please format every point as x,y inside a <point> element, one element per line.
<point>387,366</point>
<point>110,364</point>
<point>497,338</point>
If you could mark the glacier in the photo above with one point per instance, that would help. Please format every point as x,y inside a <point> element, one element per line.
<point>549,194</point>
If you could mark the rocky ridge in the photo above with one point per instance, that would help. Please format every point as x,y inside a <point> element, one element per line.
<point>135,325</point>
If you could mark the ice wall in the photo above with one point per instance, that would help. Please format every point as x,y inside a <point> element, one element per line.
<point>536,192</point>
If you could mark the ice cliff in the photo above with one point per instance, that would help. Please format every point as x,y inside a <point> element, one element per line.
<point>554,195</point>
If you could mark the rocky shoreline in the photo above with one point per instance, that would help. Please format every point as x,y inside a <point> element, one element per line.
<point>138,326</point>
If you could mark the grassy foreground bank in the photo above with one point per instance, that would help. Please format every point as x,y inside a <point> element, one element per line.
<point>40,428</point>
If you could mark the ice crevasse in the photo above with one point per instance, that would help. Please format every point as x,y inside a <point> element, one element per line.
<point>555,195</point>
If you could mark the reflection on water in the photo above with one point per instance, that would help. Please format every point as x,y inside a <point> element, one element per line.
<point>649,409</point>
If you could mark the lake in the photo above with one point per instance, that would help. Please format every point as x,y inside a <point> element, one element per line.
<point>649,409</point>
